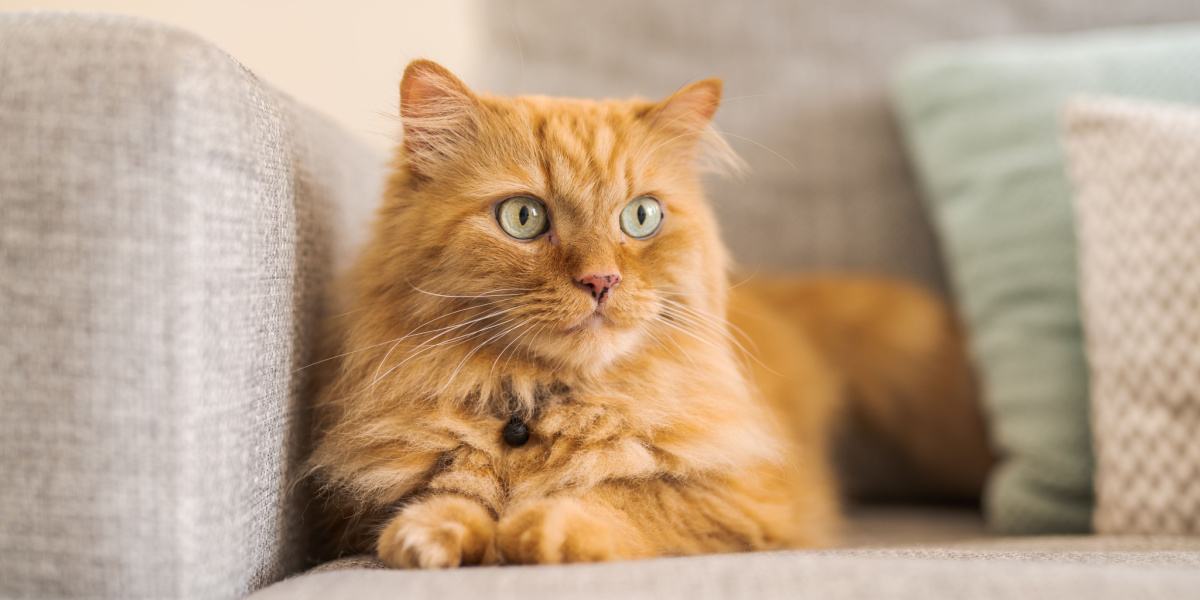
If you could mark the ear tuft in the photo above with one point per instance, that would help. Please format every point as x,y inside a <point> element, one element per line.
<point>438,111</point>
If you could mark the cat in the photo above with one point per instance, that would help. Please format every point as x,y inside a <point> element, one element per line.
<point>545,361</point>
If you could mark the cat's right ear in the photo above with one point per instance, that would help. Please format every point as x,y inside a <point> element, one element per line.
<point>439,114</point>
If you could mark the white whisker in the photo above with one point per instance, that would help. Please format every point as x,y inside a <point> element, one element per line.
<point>720,324</point>
<point>764,147</point>
<point>414,331</point>
<point>443,330</point>
<point>464,360</point>
<point>708,325</point>
<point>514,340</point>
<point>493,294</point>
<point>422,349</point>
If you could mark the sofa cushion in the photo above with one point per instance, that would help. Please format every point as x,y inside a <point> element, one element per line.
<point>1088,568</point>
<point>982,122</point>
<point>886,552</point>
<point>1136,169</point>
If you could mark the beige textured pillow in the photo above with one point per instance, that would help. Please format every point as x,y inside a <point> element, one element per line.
<point>1136,170</point>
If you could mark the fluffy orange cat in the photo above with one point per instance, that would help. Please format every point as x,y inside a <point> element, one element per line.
<point>545,362</point>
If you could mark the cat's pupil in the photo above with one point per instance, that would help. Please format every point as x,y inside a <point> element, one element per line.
<point>523,216</point>
<point>641,214</point>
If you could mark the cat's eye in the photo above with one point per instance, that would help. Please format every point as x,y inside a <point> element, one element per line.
<point>641,217</point>
<point>522,217</point>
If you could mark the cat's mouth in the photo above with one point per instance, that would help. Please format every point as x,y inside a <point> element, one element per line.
<point>594,320</point>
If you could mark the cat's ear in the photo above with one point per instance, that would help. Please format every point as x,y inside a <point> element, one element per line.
<point>687,115</point>
<point>439,113</point>
<point>692,107</point>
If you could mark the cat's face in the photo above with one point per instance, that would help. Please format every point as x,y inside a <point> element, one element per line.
<point>575,229</point>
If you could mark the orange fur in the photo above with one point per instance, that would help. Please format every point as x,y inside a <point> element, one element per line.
<point>652,431</point>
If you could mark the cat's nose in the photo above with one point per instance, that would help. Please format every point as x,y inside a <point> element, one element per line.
<point>599,284</point>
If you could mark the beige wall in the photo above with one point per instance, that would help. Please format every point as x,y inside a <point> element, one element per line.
<point>342,57</point>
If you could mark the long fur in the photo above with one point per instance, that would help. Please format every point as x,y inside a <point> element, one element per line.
<point>660,428</point>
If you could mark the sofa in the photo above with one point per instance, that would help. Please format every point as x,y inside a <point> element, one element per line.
<point>169,225</point>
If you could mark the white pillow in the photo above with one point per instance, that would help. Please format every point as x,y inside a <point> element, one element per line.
<point>1136,171</point>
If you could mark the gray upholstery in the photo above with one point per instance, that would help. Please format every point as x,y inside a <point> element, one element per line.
<point>1080,567</point>
<point>806,101</point>
<point>918,553</point>
<point>165,234</point>
<point>167,222</point>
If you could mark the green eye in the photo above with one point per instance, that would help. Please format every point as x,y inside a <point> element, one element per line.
<point>641,217</point>
<point>522,217</point>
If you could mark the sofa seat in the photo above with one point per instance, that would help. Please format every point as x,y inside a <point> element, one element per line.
<point>888,553</point>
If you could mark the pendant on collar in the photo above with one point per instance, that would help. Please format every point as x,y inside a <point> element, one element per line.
<point>515,432</point>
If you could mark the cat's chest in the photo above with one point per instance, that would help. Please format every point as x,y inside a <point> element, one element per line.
<point>554,431</point>
<point>564,443</point>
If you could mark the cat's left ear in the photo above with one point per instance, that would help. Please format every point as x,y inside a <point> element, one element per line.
<point>690,108</point>
<point>439,113</point>
<point>687,116</point>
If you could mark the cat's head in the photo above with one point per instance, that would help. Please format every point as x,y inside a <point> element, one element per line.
<point>575,230</point>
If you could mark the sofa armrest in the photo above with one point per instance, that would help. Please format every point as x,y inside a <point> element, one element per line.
<point>167,229</point>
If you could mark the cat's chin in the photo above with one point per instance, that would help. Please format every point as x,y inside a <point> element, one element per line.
<point>590,345</point>
<point>590,323</point>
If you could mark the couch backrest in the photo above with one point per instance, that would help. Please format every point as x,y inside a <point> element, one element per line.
<point>805,105</point>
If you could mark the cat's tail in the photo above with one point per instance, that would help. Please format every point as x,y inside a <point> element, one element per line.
<point>907,407</point>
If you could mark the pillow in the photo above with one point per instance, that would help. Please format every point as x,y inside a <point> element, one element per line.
<point>981,124</point>
<point>1136,169</point>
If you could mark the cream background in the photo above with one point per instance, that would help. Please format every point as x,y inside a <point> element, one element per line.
<point>343,58</point>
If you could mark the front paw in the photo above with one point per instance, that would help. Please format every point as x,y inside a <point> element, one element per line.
<point>565,530</point>
<point>439,533</point>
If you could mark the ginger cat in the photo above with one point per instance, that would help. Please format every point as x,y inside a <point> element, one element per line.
<point>545,362</point>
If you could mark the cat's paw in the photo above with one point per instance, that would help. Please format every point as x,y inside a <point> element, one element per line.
<point>565,530</point>
<point>439,533</point>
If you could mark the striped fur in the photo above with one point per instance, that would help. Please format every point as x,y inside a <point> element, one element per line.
<point>650,433</point>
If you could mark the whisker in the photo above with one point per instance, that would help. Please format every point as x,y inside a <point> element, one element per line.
<point>745,279</point>
<point>535,334</point>
<point>668,323</point>
<point>764,147</point>
<point>492,294</point>
<point>422,349</point>
<point>414,331</point>
<point>716,321</point>
<point>464,360</point>
<point>679,349</point>
<point>531,324</point>
<point>684,331</point>
<point>682,319</point>
<point>349,312</point>
<point>713,328</point>
<point>715,318</point>
<point>444,331</point>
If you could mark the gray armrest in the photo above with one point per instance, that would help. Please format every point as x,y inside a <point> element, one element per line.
<point>166,226</point>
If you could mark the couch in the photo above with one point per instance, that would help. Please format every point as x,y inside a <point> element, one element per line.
<point>168,224</point>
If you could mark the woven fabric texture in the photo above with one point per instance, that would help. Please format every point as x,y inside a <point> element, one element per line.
<point>982,120</point>
<point>163,240</point>
<point>1136,170</point>
<point>1063,568</point>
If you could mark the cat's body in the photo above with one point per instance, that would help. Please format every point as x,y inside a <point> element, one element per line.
<point>664,413</point>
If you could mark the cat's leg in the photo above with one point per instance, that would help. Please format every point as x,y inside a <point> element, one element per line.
<point>565,529</point>
<point>666,516</point>
<point>439,532</point>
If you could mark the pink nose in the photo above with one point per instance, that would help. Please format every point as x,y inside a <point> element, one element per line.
<point>599,284</point>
